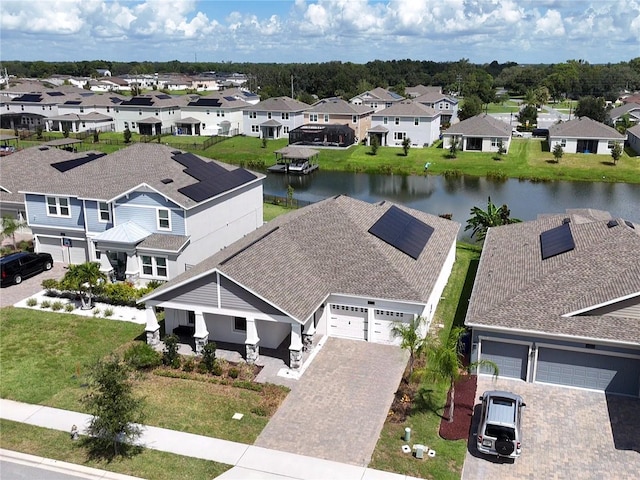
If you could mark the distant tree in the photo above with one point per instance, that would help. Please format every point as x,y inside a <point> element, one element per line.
<point>471,106</point>
<point>406,145</point>
<point>65,130</point>
<point>542,96</point>
<point>482,220</point>
<point>127,135</point>
<point>412,338</point>
<point>502,98</point>
<point>306,97</point>
<point>616,153</point>
<point>10,226</point>
<point>86,86</point>
<point>530,98</point>
<point>116,411</point>
<point>624,123</point>
<point>592,107</point>
<point>558,152</point>
<point>375,144</point>
<point>528,115</point>
<point>501,149</point>
<point>39,132</point>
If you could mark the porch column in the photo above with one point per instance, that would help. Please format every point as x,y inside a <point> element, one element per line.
<point>152,327</point>
<point>308,333</point>
<point>295,349</point>
<point>251,343</point>
<point>132,271</point>
<point>201,335</point>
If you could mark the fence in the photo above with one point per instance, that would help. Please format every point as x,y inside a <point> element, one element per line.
<point>285,201</point>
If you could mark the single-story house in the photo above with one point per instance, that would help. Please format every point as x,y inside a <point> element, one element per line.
<point>557,300</point>
<point>584,135</point>
<point>482,133</point>
<point>340,267</point>
<point>630,109</point>
<point>633,138</point>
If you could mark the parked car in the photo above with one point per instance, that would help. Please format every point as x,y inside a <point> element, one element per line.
<point>540,132</point>
<point>499,430</point>
<point>516,133</point>
<point>17,266</point>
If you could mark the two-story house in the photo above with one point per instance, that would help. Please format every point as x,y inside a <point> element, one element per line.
<point>339,112</point>
<point>86,111</point>
<point>402,120</point>
<point>214,114</point>
<point>379,98</point>
<point>273,118</point>
<point>149,114</point>
<point>446,105</point>
<point>145,212</point>
<point>30,110</point>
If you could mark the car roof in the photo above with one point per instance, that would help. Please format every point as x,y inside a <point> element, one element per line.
<point>12,256</point>
<point>501,393</point>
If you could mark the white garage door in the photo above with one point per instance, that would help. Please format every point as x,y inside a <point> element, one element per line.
<point>77,251</point>
<point>348,322</point>
<point>589,370</point>
<point>383,321</point>
<point>52,246</point>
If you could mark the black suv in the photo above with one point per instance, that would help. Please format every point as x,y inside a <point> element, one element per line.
<point>16,266</point>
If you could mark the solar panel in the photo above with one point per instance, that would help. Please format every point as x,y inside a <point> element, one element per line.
<point>250,94</point>
<point>55,94</point>
<point>215,184</point>
<point>73,102</point>
<point>164,97</point>
<point>143,101</point>
<point>76,162</point>
<point>115,100</point>
<point>29,97</point>
<point>205,102</point>
<point>230,99</point>
<point>87,94</point>
<point>402,231</point>
<point>556,241</point>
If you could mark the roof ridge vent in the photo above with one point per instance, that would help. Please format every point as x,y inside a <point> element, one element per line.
<point>167,180</point>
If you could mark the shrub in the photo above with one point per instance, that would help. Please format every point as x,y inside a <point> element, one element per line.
<point>234,372</point>
<point>142,356</point>
<point>108,312</point>
<point>55,306</point>
<point>45,304</point>
<point>50,285</point>
<point>260,411</point>
<point>25,245</point>
<point>69,307</point>
<point>170,355</point>
<point>188,365</point>
<point>96,312</point>
<point>32,302</point>
<point>120,293</point>
<point>209,356</point>
<point>217,369</point>
<point>153,284</point>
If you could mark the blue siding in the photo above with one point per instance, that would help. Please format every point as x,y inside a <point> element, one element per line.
<point>146,217</point>
<point>93,222</point>
<point>146,198</point>
<point>37,208</point>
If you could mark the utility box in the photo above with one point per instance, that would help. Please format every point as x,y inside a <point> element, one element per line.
<point>419,451</point>
<point>407,434</point>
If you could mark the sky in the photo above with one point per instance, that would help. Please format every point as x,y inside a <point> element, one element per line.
<point>310,31</point>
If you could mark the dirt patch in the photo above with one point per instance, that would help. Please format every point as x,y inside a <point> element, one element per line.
<point>462,410</point>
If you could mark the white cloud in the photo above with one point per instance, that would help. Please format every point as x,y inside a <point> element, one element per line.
<point>550,25</point>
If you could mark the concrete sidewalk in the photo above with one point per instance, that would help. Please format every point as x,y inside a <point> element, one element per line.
<point>250,462</point>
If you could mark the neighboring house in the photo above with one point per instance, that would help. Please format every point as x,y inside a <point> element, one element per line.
<point>103,72</point>
<point>402,120</point>
<point>418,90</point>
<point>632,109</point>
<point>339,112</point>
<point>481,133</point>
<point>30,110</point>
<point>633,138</point>
<point>146,212</point>
<point>584,135</point>
<point>340,267</point>
<point>446,105</point>
<point>86,111</point>
<point>557,300</point>
<point>377,99</point>
<point>273,118</point>
<point>80,123</point>
<point>213,114</point>
<point>149,114</point>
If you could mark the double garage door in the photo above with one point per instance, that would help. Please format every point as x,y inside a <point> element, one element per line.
<point>346,321</point>
<point>594,371</point>
<point>74,253</point>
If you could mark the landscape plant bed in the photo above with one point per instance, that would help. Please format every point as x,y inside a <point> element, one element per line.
<point>462,410</point>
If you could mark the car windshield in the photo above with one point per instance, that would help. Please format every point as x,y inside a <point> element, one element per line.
<point>498,431</point>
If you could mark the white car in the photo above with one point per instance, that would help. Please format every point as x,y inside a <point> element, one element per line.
<point>516,133</point>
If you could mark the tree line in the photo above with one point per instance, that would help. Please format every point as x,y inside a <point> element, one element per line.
<point>571,79</point>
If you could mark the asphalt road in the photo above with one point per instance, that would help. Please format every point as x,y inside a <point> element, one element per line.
<point>16,471</point>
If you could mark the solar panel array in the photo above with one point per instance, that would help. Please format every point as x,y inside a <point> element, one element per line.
<point>142,101</point>
<point>402,231</point>
<point>73,102</point>
<point>29,97</point>
<point>87,94</point>
<point>556,241</point>
<point>76,162</point>
<point>230,99</point>
<point>212,178</point>
<point>205,102</point>
<point>164,97</point>
<point>115,100</point>
<point>55,94</point>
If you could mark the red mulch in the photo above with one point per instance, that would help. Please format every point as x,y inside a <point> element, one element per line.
<point>462,410</point>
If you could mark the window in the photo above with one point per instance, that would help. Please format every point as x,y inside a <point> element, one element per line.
<point>164,219</point>
<point>397,121</point>
<point>269,115</point>
<point>285,115</point>
<point>326,118</point>
<point>611,144</point>
<point>126,124</point>
<point>104,212</point>
<point>140,112</point>
<point>399,135</point>
<point>133,124</point>
<point>191,317</point>
<point>286,129</point>
<point>313,117</point>
<point>494,142</point>
<point>154,266</point>
<point>255,129</point>
<point>252,114</point>
<point>416,121</point>
<point>354,119</point>
<point>563,143</point>
<point>385,120</point>
<point>239,324</point>
<point>208,112</point>
<point>58,207</point>
<point>81,109</point>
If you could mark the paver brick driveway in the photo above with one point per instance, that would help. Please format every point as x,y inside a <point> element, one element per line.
<point>338,408</point>
<point>12,294</point>
<point>567,434</point>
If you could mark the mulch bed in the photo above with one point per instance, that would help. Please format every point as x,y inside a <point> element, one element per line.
<point>462,410</point>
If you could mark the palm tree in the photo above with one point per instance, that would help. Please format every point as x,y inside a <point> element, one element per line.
<point>10,226</point>
<point>83,278</point>
<point>412,338</point>
<point>481,220</point>
<point>624,123</point>
<point>445,363</point>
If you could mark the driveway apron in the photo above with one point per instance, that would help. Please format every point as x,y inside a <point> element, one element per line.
<point>338,408</point>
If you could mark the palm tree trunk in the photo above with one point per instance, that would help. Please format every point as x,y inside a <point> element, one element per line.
<point>452,398</point>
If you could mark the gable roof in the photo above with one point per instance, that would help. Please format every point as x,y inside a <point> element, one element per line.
<point>584,127</point>
<point>633,109</point>
<point>482,125</point>
<point>381,94</point>
<point>516,289</point>
<point>338,106</point>
<point>278,104</point>
<point>328,250</point>
<point>435,97</point>
<point>110,176</point>
<point>407,108</point>
<point>422,89</point>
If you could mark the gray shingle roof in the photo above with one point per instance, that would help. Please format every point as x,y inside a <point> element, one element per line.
<point>516,290</point>
<point>618,112</point>
<point>407,108</point>
<point>482,125</point>
<point>584,127</point>
<point>337,106</point>
<point>164,242</point>
<point>278,104</point>
<point>104,178</point>
<point>299,258</point>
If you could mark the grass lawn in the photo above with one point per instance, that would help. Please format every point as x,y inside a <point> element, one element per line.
<point>506,107</point>
<point>48,369</point>
<point>53,444</point>
<point>271,211</point>
<point>424,420</point>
